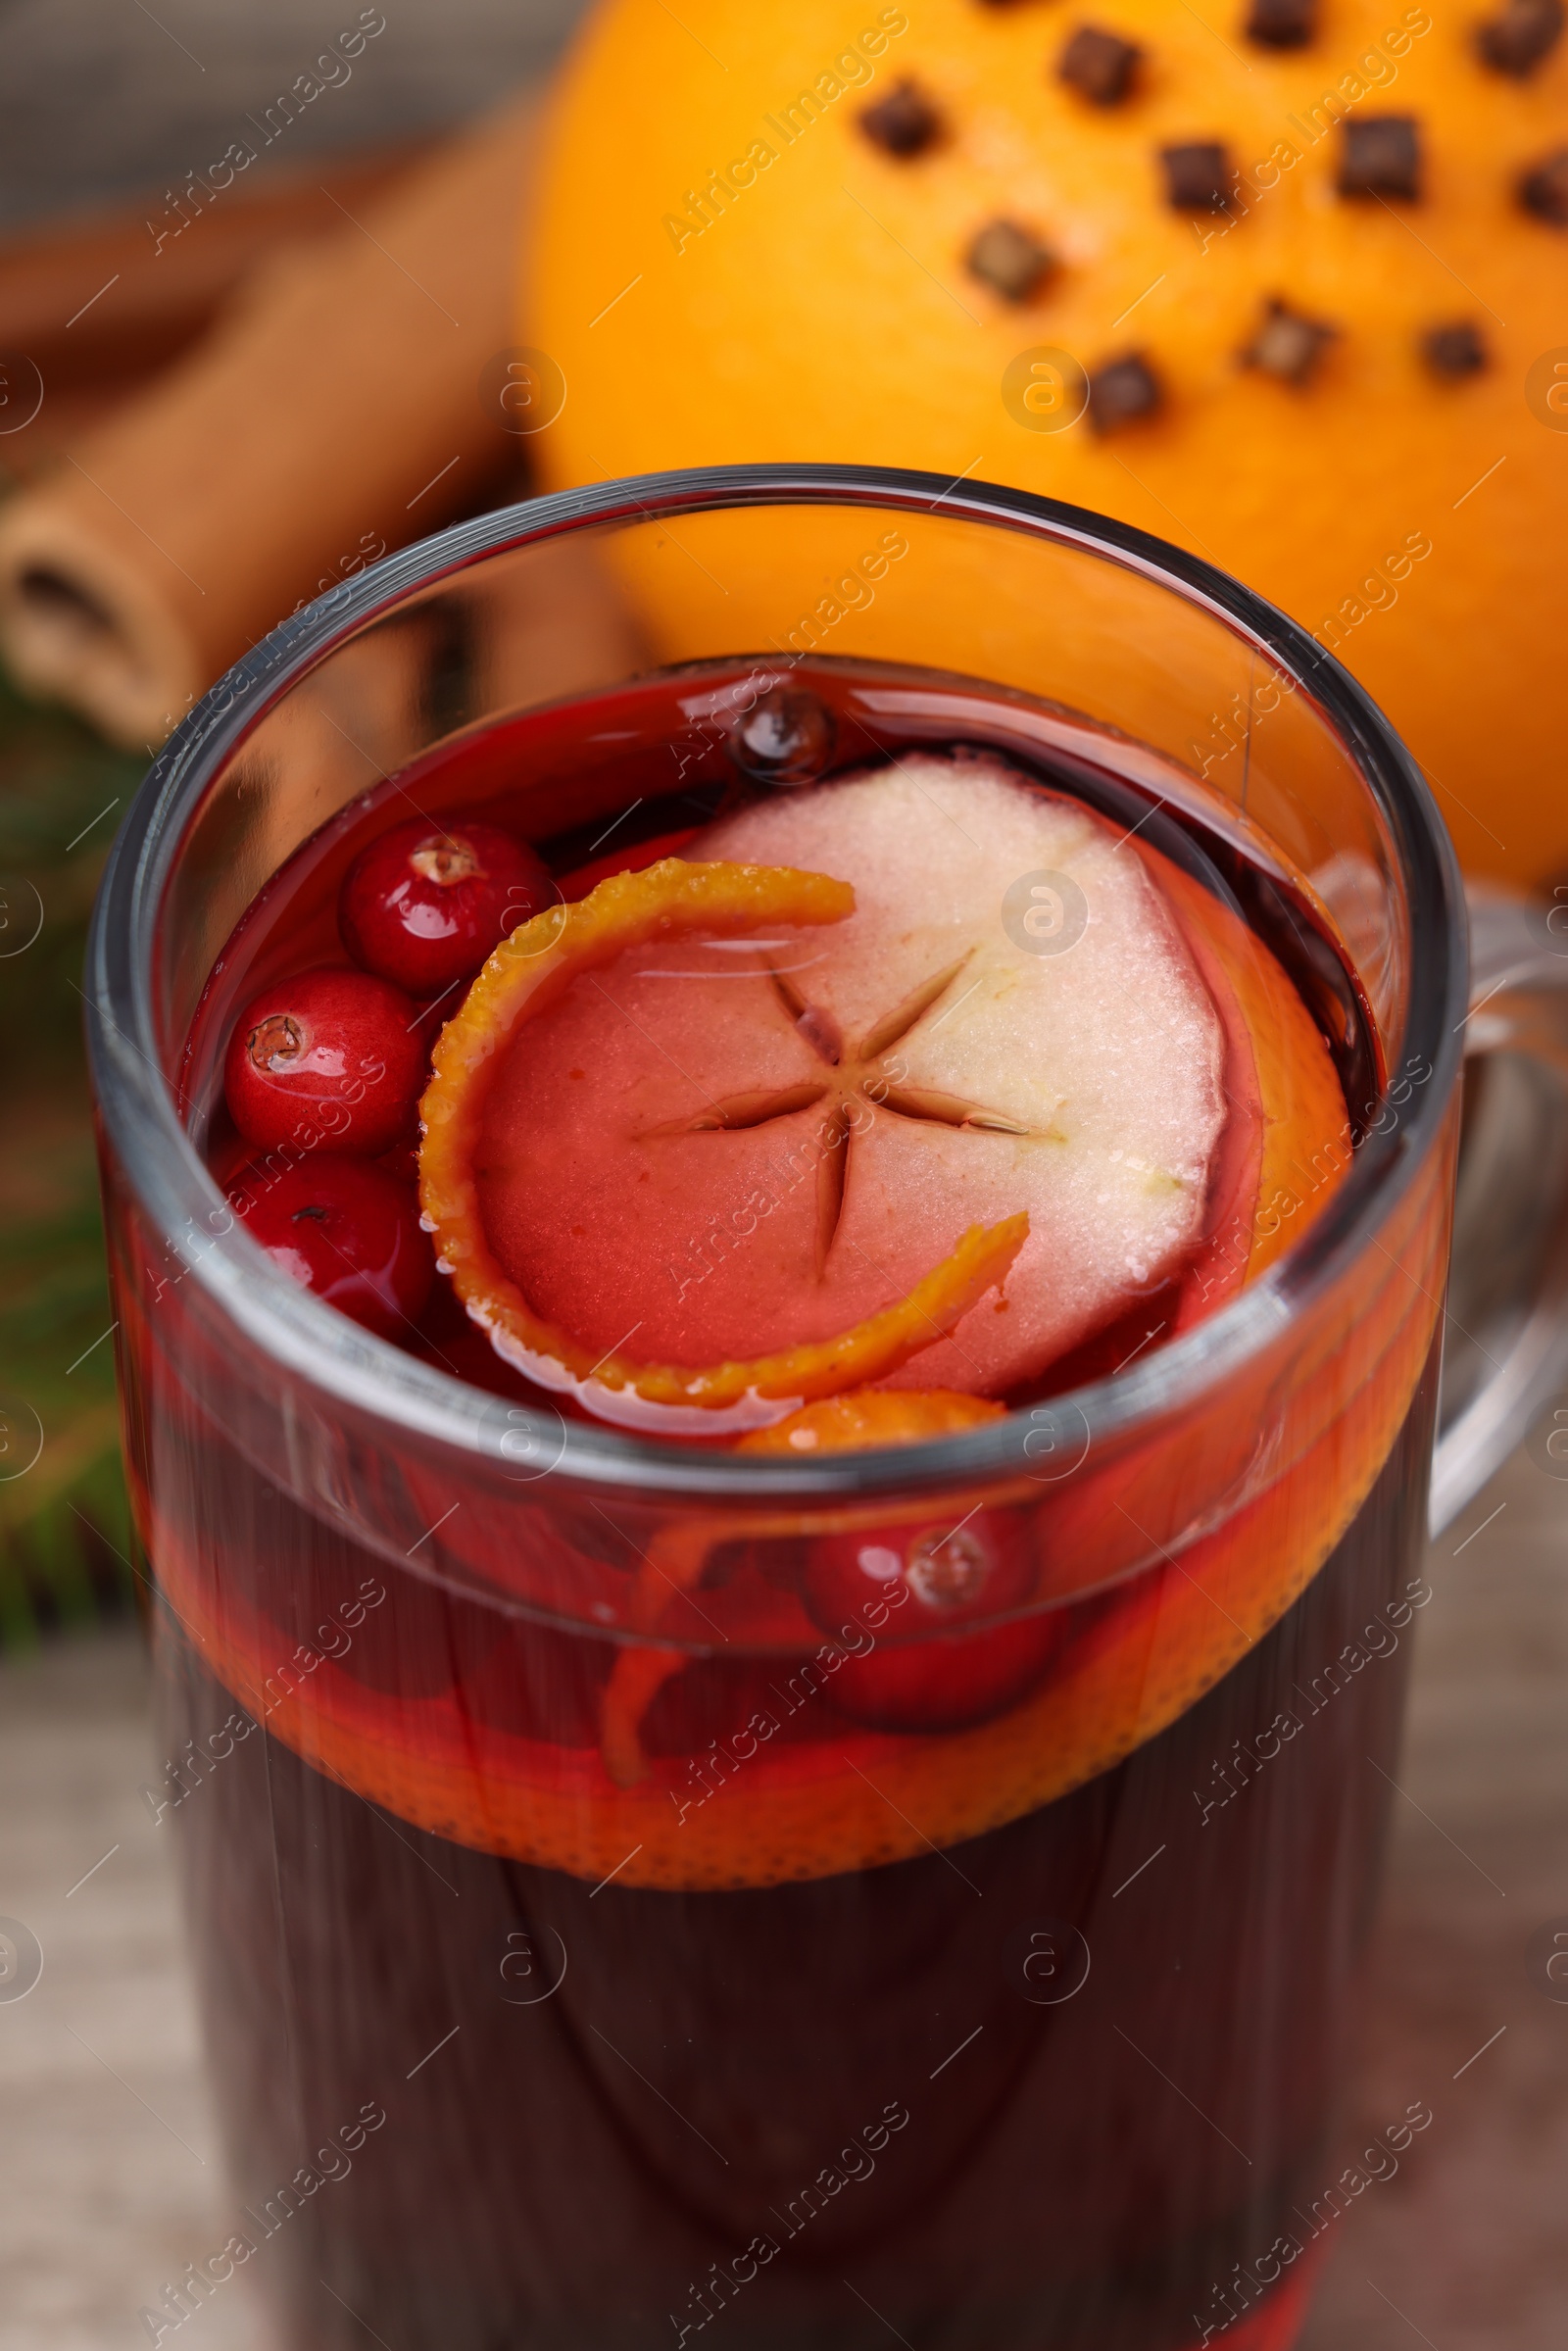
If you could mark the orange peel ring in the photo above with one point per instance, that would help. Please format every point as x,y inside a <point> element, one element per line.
<point>530,970</point>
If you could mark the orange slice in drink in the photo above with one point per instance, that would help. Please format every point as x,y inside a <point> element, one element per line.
<point>1289,1145</point>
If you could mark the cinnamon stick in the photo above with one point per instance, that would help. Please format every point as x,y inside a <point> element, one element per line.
<point>349,401</point>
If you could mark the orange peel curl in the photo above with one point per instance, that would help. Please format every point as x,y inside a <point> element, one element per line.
<point>527,972</point>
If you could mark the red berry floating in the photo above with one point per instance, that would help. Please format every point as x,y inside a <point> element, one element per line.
<point>424,907</point>
<point>330,1057</point>
<point>347,1231</point>
<point>892,1583</point>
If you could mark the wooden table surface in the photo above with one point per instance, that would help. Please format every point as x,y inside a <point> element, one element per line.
<point>110,2178</point>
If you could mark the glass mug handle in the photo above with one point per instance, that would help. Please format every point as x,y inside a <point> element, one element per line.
<point>1505,1341</point>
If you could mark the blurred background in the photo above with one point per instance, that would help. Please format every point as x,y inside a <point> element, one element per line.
<point>104,105</point>
<point>110,2177</point>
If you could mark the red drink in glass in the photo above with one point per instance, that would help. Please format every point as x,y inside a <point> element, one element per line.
<point>610,1925</point>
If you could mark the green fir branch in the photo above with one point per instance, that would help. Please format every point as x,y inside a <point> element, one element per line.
<point>64,1536</point>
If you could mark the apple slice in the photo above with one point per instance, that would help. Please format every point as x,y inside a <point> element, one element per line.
<point>726,1148</point>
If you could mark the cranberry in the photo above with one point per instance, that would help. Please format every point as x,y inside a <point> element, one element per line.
<point>423,907</point>
<point>329,1057</point>
<point>889,1583</point>
<point>346,1230</point>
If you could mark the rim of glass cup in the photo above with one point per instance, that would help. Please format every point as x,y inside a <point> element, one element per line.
<point>313,1343</point>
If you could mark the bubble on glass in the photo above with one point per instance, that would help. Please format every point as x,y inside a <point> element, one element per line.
<point>1045,389</point>
<point>521,389</point>
<point>1045,914</point>
<point>1055,1441</point>
<point>21,1959</point>
<point>787,737</point>
<point>532,1966</point>
<point>1046,1960</point>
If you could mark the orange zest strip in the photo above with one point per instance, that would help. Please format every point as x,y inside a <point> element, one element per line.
<point>532,969</point>
<point>636,1680</point>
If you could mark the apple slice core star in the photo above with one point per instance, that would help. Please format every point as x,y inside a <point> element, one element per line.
<point>716,1147</point>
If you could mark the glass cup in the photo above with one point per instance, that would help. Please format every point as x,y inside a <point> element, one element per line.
<point>576,1971</point>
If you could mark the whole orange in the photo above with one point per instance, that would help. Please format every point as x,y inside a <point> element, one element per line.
<point>1345,292</point>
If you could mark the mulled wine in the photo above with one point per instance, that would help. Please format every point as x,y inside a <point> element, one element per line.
<point>808,1916</point>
